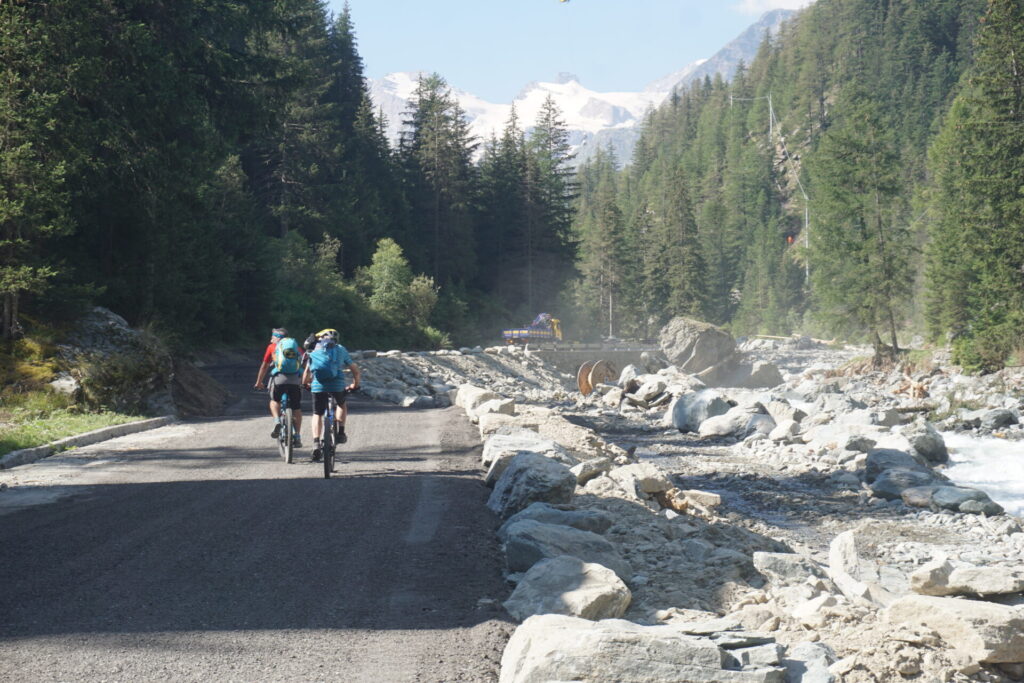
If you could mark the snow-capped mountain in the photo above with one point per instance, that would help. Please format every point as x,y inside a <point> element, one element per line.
<point>594,119</point>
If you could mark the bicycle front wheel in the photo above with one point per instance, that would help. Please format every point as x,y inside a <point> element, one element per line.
<point>288,436</point>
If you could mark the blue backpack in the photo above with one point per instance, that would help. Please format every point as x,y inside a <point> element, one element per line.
<point>324,364</point>
<point>286,357</point>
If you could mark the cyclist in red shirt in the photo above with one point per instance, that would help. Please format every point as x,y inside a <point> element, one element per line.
<point>281,384</point>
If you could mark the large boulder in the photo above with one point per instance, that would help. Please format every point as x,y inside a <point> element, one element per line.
<point>692,345</point>
<point>581,442</point>
<point>859,580</point>
<point>809,663</point>
<point>499,449</point>
<point>737,421</point>
<point>531,478</point>
<point>891,483</point>
<point>568,585</point>
<point>550,647</point>
<point>687,412</point>
<point>941,578</point>
<point>990,633</point>
<point>926,442</point>
<point>528,542</point>
<point>965,499</point>
<point>881,459</point>
<point>470,396</point>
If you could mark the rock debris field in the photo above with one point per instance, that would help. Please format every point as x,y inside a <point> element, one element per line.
<point>669,527</point>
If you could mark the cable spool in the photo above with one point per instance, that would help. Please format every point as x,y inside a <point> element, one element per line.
<point>583,378</point>
<point>601,372</point>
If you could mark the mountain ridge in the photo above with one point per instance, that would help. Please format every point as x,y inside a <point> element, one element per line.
<point>594,119</point>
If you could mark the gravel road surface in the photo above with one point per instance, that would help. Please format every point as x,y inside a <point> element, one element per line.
<point>193,553</point>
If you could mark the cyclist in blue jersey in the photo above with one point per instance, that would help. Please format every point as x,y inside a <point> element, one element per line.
<point>325,376</point>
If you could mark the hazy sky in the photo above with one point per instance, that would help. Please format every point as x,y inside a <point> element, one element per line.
<point>492,48</point>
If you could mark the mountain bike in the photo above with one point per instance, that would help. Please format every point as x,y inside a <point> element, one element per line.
<point>329,437</point>
<point>286,435</point>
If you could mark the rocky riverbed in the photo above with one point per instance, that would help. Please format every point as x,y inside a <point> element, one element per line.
<point>803,531</point>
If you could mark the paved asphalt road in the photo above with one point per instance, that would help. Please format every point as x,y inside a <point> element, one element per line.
<point>193,553</point>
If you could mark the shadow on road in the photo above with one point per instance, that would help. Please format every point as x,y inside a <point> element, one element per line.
<point>386,551</point>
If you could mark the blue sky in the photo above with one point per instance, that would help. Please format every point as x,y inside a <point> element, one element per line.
<point>492,48</point>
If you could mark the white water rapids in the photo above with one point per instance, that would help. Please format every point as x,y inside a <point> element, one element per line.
<point>996,466</point>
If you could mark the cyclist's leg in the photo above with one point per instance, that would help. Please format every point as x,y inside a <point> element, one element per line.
<point>274,400</point>
<point>275,392</point>
<point>319,405</point>
<point>342,411</point>
<point>294,392</point>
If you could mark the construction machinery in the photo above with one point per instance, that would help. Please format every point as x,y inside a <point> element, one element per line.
<point>544,328</point>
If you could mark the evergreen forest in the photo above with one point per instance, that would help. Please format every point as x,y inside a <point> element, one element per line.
<point>217,168</point>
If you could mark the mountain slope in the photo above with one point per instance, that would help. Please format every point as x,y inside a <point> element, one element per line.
<point>594,119</point>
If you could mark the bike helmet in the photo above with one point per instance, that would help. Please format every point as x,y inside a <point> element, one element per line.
<point>329,334</point>
<point>310,343</point>
<point>279,332</point>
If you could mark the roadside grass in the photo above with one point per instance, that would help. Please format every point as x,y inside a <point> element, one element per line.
<point>26,432</point>
<point>31,413</point>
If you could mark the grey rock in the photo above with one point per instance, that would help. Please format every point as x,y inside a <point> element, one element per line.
<point>693,346</point>
<point>859,443</point>
<point>782,410</point>
<point>732,423</point>
<point>590,469</point>
<point>881,459</point>
<point>998,418</point>
<point>759,656</point>
<point>531,478</point>
<point>594,521</point>
<point>786,568</point>
<point>809,663</point>
<point>918,496</point>
<point>951,497</point>
<point>528,542</point>
<point>549,648</point>
<point>891,483</point>
<point>988,632</point>
<point>567,585</point>
<point>982,507</point>
<point>690,410</point>
<point>927,442</point>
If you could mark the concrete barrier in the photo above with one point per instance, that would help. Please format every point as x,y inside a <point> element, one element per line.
<point>30,455</point>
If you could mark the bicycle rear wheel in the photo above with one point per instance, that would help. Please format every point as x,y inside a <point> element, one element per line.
<point>287,436</point>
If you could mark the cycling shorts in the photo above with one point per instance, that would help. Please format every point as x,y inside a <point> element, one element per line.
<point>320,400</point>
<point>294,392</point>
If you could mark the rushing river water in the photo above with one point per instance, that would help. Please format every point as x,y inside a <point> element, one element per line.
<point>996,466</point>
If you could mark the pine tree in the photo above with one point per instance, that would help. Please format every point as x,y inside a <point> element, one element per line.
<point>603,261</point>
<point>550,193</point>
<point>976,257</point>
<point>33,196</point>
<point>436,148</point>
<point>861,245</point>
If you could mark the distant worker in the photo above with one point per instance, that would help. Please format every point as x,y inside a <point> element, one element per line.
<point>325,376</point>
<point>283,358</point>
